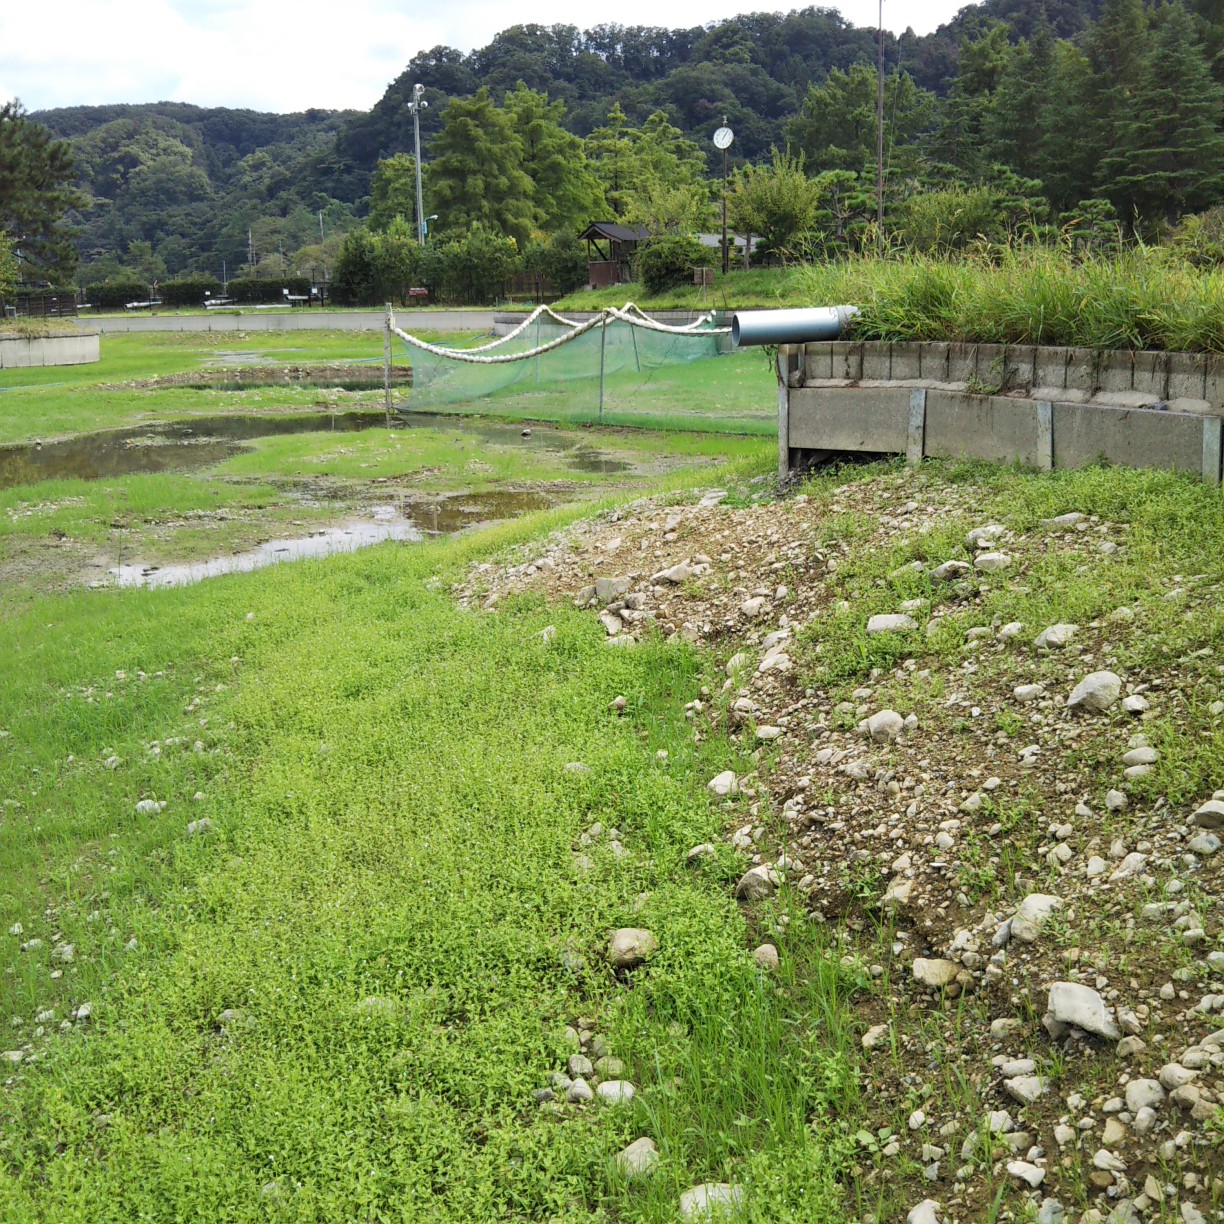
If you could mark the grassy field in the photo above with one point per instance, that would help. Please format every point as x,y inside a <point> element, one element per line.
<point>337,1001</point>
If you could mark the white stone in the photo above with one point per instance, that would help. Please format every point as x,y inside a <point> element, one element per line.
<point>927,1212</point>
<point>1071,1004</point>
<point>615,1092</point>
<point>1025,1088</point>
<point>723,784</point>
<point>1136,703</point>
<point>884,726</point>
<point>1143,755</point>
<point>1025,1172</point>
<point>891,623</point>
<point>992,562</point>
<point>757,883</point>
<point>1210,815</point>
<point>950,570</point>
<point>766,957</point>
<point>935,973</point>
<point>712,1200</point>
<point>1096,692</point>
<point>1055,637</point>
<point>1033,913</point>
<point>630,946</point>
<point>639,1158</point>
<point>1028,692</point>
<point>875,1036</point>
<point>1143,1094</point>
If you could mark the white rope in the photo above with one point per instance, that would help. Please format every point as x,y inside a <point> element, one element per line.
<point>476,358</point>
<point>629,314</point>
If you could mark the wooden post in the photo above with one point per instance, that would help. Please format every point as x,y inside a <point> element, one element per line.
<point>387,363</point>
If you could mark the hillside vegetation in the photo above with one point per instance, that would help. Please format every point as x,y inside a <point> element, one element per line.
<point>1014,117</point>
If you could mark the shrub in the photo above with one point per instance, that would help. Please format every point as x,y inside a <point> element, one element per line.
<point>669,260</point>
<point>562,261</point>
<point>189,291</point>
<point>115,294</point>
<point>475,269</point>
<point>249,291</point>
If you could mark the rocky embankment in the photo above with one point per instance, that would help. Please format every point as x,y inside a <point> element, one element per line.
<point>1003,807</point>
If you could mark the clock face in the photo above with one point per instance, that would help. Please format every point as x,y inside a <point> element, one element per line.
<point>723,138</point>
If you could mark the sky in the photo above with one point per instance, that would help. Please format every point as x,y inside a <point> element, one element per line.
<point>275,56</point>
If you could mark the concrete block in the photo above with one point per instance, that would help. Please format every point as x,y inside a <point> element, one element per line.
<point>1213,381</point>
<point>1115,371</point>
<point>877,361</point>
<point>962,362</point>
<point>1045,436</point>
<point>998,427</point>
<point>818,360</point>
<point>1150,375</point>
<point>915,446</point>
<point>1020,361</point>
<point>1136,437</point>
<point>847,360</point>
<point>992,366</point>
<point>906,362</point>
<point>1081,370</point>
<point>1050,367</point>
<point>1187,376</point>
<point>933,361</point>
<point>1213,450</point>
<point>874,419</point>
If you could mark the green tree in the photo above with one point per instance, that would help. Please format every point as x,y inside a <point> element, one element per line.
<point>393,192</point>
<point>652,175</point>
<point>1171,151</point>
<point>835,128</point>
<point>777,203</point>
<point>8,266</point>
<point>35,194</point>
<point>396,262</point>
<point>355,279</point>
<point>476,172</point>
<point>565,190</point>
<point>610,149</point>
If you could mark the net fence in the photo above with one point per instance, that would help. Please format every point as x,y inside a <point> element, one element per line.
<point>617,364</point>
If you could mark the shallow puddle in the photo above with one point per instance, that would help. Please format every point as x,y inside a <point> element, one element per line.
<point>405,521</point>
<point>197,443</point>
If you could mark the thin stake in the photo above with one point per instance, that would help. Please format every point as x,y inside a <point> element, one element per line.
<point>603,340</point>
<point>387,364</point>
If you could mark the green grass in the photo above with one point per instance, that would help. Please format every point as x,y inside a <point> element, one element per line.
<point>1145,299</point>
<point>738,290</point>
<point>390,822</point>
<point>48,402</point>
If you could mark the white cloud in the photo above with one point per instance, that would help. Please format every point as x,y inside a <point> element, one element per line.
<point>269,55</point>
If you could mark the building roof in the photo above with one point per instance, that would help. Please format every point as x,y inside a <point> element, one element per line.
<point>618,233</point>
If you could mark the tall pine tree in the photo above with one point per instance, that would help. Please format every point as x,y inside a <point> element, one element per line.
<point>476,171</point>
<point>1168,152</point>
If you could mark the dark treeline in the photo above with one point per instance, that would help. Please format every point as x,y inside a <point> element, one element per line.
<point>1018,112</point>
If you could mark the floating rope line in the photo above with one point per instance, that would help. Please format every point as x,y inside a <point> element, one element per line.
<point>629,314</point>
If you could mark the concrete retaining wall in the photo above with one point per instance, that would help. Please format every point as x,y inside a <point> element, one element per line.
<point>21,352</point>
<point>1044,407</point>
<point>298,320</point>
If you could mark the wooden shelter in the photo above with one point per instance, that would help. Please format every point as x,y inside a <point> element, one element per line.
<point>610,249</point>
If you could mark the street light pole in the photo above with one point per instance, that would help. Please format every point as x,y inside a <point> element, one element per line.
<point>417,105</point>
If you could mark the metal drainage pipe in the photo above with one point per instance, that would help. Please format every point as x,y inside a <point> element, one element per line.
<point>750,327</point>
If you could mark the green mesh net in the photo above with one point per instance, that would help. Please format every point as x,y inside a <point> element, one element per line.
<point>552,365</point>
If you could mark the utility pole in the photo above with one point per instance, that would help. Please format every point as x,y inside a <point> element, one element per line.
<point>416,106</point>
<point>880,139</point>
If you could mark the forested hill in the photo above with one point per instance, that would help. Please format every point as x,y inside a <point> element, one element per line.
<point>181,188</point>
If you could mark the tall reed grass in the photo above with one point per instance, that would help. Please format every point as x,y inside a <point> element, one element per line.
<point>1139,299</point>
